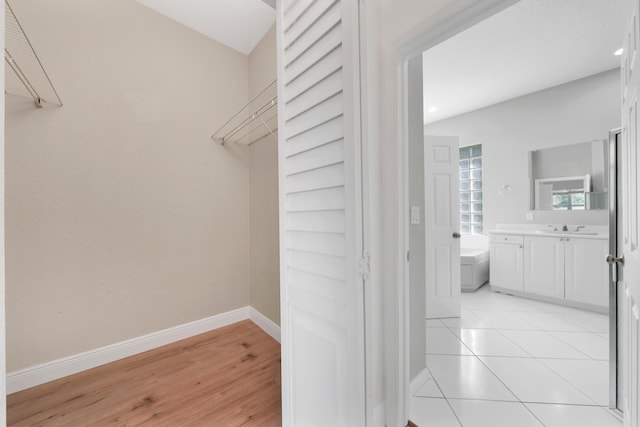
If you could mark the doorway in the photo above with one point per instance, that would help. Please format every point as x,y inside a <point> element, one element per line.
<point>515,187</point>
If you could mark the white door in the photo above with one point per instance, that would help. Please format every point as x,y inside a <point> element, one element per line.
<point>442,226</point>
<point>544,266</point>
<point>322,268</point>
<point>631,229</point>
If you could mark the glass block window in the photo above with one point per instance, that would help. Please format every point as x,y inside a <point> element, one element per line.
<point>471,189</point>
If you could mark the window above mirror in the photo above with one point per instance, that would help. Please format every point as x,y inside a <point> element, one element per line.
<point>562,194</point>
<point>569,177</point>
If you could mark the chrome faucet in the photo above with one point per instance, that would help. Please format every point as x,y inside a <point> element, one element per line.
<point>564,228</point>
<point>579,227</point>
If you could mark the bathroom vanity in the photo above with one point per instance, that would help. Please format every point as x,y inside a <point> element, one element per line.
<point>564,267</point>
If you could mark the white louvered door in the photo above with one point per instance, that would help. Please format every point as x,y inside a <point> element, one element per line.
<point>323,367</point>
<point>631,229</point>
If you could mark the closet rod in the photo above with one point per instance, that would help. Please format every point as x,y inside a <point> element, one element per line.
<point>16,40</point>
<point>247,115</point>
<point>248,131</point>
<point>259,112</point>
<point>23,79</point>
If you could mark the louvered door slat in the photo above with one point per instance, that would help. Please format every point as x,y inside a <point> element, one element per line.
<point>322,286</point>
<point>326,132</point>
<point>322,243</point>
<point>317,179</point>
<point>325,89</point>
<point>327,221</point>
<point>323,112</point>
<point>324,155</point>
<point>320,264</point>
<point>306,33</point>
<point>293,10</point>
<point>296,66</point>
<point>321,308</point>
<point>323,68</point>
<point>316,200</point>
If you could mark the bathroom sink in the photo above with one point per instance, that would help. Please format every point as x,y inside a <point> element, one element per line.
<point>584,233</point>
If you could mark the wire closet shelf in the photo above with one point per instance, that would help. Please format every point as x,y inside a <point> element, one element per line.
<point>21,58</point>
<point>254,121</point>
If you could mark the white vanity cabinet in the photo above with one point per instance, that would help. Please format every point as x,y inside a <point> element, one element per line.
<point>566,268</point>
<point>506,256</point>
<point>586,274</point>
<point>544,266</point>
<point>569,268</point>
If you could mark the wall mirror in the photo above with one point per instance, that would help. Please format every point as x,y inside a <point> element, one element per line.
<point>570,177</point>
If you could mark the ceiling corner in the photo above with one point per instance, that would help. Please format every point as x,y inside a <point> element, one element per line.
<point>271,3</point>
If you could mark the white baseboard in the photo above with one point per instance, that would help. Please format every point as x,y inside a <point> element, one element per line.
<point>419,381</point>
<point>40,374</point>
<point>265,323</point>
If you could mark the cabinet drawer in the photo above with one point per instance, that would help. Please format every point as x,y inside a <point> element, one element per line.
<point>507,238</point>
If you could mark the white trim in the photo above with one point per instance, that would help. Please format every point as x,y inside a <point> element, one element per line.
<point>40,374</point>
<point>419,381</point>
<point>3,311</point>
<point>458,16</point>
<point>264,323</point>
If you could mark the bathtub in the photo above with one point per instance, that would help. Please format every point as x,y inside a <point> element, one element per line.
<point>474,262</point>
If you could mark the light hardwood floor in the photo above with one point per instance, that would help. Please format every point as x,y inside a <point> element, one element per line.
<point>227,377</point>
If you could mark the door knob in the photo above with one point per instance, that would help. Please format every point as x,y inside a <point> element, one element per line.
<point>613,260</point>
<point>456,235</point>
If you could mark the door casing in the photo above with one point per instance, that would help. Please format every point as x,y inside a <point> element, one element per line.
<point>464,15</point>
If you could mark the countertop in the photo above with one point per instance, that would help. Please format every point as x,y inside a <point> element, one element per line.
<point>581,235</point>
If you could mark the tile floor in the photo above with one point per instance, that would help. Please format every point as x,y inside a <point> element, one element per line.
<point>511,361</point>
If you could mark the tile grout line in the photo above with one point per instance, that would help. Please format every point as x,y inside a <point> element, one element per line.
<point>522,315</point>
<point>501,331</point>
<point>534,415</point>
<point>575,348</point>
<point>443,395</point>
<point>540,362</point>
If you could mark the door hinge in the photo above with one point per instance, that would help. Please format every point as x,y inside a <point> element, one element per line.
<point>363,265</point>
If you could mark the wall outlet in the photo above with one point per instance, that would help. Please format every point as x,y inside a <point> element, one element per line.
<point>529,216</point>
<point>415,215</point>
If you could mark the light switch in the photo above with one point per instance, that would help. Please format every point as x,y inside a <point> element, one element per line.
<point>415,215</point>
<point>529,216</point>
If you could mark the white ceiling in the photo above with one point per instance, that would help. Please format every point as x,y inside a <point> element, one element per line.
<point>533,45</point>
<point>239,24</point>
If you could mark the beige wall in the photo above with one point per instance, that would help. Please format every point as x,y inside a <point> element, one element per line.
<point>264,260</point>
<point>122,216</point>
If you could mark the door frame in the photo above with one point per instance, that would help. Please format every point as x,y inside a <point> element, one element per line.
<point>454,20</point>
<point>459,16</point>
<point>615,148</point>
<point>3,341</point>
